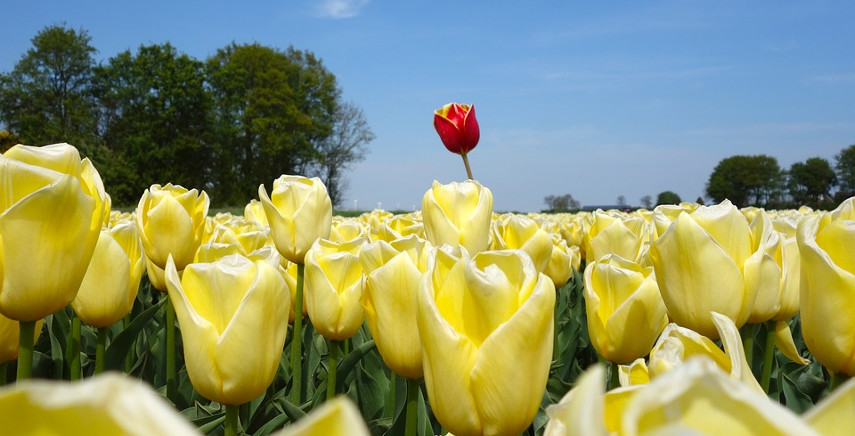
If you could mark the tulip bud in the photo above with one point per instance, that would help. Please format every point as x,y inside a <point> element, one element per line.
<point>299,211</point>
<point>458,214</point>
<point>333,287</point>
<point>51,212</point>
<point>337,417</point>
<point>457,127</point>
<point>520,232</point>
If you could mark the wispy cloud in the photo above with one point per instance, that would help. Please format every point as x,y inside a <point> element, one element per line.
<point>341,8</point>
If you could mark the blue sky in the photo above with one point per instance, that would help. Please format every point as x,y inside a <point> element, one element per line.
<point>594,99</point>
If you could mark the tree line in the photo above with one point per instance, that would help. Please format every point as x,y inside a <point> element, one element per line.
<point>240,118</point>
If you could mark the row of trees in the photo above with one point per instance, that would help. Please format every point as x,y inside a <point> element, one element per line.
<point>760,181</point>
<point>227,124</point>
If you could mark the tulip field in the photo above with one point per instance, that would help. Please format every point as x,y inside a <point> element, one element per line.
<point>454,319</point>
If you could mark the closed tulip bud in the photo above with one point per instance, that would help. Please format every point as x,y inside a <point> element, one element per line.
<point>346,230</point>
<point>698,398</point>
<point>299,211</point>
<point>458,214</point>
<point>254,211</point>
<point>828,286</point>
<point>337,417</point>
<point>457,127</point>
<point>699,262</point>
<point>110,286</point>
<point>394,274</point>
<point>520,232</point>
<point>483,321</point>
<point>763,270</point>
<point>109,404</point>
<point>51,212</point>
<point>171,221</point>
<point>248,235</point>
<point>562,262</point>
<point>620,234</point>
<point>231,316</point>
<point>624,307</point>
<point>10,337</point>
<point>333,286</point>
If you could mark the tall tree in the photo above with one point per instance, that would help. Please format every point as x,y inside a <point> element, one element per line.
<point>746,180</point>
<point>156,121</point>
<point>646,202</point>
<point>668,197</point>
<point>845,166</point>
<point>47,97</point>
<point>273,109</point>
<point>810,182</point>
<point>345,146</point>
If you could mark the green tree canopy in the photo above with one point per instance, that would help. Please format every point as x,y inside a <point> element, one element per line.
<point>47,97</point>
<point>810,182</point>
<point>845,166</point>
<point>746,180</point>
<point>668,197</point>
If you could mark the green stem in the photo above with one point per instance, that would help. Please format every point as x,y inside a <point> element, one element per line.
<point>3,373</point>
<point>390,403</point>
<point>748,343</point>
<point>100,348</point>
<point>296,394</point>
<point>466,163</point>
<point>74,348</point>
<point>171,385</point>
<point>25,349</point>
<point>769,354</point>
<point>231,424</point>
<point>412,408</point>
<point>836,380</point>
<point>128,359</point>
<point>614,379</point>
<point>333,365</point>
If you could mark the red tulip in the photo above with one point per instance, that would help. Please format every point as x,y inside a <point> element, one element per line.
<point>457,127</point>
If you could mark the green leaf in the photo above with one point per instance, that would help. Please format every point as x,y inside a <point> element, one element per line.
<point>114,356</point>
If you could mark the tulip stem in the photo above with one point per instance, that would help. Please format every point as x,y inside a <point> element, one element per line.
<point>390,400</point>
<point>3,373</point>
<point>170,350</point>
<point>296,394</point>
<point>333,365</point>
<point>25,349</point>
<point>128,359</point>
<point>748,343</point>
<point>412,422</point>
<point>100,348</point>
<point>769,354</point>
<point>466,163</point>
<point>74,348</point>
<point>231,424</point>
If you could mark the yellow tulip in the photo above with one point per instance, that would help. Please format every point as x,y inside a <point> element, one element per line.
<point>636,373</point>
<point>394,274</point>
<point>520,232</point>
<point>254,211</point>
<point>563,261</point>
<point>110,286</point>
<point>171,221</point>
<point>677,344</point>
<point>833,416</point>
<point>51,211</point>
<point>346,230</point>
<point>333,286</point>
<point>483,322</point>
<point>458,214</point>
<point>764,269</point>
<point>699,399</point>
<point>248,235</point>
<point>231,316</point>
<point>338,417</point>
<point>299,211</point>
<point>616,233</point>
<point>581,411</point>
<point>10,337</point>
<point>624,307</point>
<point>699,263</point>
<point>397,227</point>
<point>828,286</point>
<point>105,405</point>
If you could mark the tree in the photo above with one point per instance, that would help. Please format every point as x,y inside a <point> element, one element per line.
<point>156,122</point>
<point>273,110</point>
<point>559,203</point>
<point>668,197</point>
<point>621,201</point>
<point>810,182</point>
<point>647,202</point>
<point>7,140</point>
<point>746,180</point>
<point>345,146</point>
<point>47,97</point>
<point>845,166</point>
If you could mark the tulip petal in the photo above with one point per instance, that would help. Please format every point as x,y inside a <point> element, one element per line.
<point>731,341</point>
<point>833,416</point>
<point>576,414</point>
<point>785,343</point>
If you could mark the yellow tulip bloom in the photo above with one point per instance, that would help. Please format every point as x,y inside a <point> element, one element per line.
<point>51,211</point>
<point>618,233</point>
<point>581,411</point>
<point>231,313</point>
<point>112,280</point>
<point>482,321</point>
<point>520,232</point>
<point>394,274</point>
<point>338,417</point>
<point>333,287</point>
<point>299,211</point>
<point>458,214</point>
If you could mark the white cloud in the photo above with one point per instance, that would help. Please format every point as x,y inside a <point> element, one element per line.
<point>341,8</point>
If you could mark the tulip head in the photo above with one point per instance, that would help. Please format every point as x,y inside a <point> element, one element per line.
<point>617,233</point>
<point>333,288</point>
<point>299,211</point>
<point>624,307</point>
<point>51,212</point>
<point>482,321</point>
<point>521,232</point>
<point>457,127</point>
<point>337,417</point>
<point>458,214</point>
<point>231,313</point>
